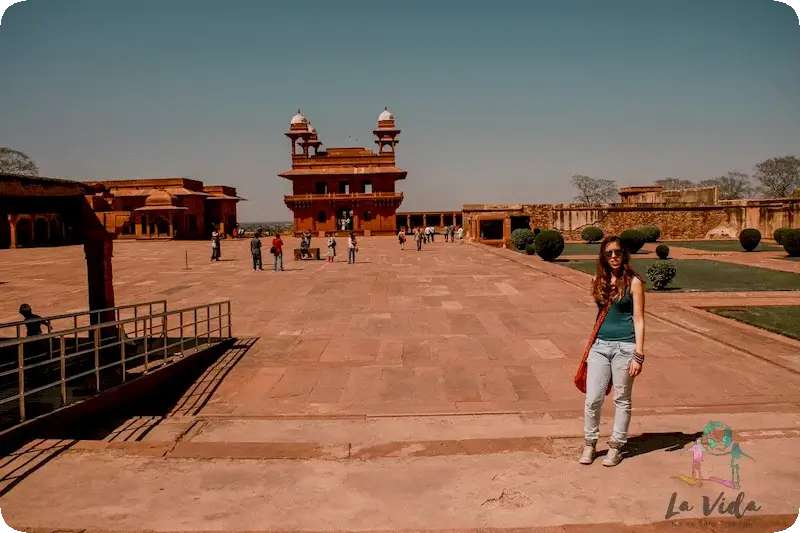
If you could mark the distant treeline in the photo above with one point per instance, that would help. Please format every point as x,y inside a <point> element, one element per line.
<point>268,227</point>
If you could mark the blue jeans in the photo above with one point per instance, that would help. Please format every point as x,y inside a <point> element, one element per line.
<point>608,360</point>
<point>351,255</point>
<point>275,262</point>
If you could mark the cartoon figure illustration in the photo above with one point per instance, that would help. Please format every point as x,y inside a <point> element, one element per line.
<point>714,444</point>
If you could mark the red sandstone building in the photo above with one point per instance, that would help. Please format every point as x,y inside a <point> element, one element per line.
<point>343,189</point>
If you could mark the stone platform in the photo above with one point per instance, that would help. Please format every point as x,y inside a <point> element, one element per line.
<point>410,391</point>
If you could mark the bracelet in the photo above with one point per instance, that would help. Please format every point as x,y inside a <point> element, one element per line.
<point>639,358</point>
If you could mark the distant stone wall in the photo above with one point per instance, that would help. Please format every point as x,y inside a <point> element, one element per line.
<point>724,220</point>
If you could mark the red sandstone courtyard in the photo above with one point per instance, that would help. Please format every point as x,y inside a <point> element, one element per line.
<point>411,391</point>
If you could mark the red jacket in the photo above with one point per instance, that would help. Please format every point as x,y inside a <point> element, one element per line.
<point>277,243</point>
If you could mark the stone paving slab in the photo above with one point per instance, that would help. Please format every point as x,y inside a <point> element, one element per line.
<point>108,491</point>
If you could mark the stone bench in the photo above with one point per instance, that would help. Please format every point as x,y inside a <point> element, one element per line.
<point>299,252</point>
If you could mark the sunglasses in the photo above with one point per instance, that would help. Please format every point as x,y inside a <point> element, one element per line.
<point>610,253</point>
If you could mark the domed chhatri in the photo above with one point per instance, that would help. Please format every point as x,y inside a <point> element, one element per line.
<point>299,118</point>
<point>159,197</point>
<point>385,115</point>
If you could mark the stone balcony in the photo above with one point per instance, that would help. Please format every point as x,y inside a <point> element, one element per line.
<point>377,198</point>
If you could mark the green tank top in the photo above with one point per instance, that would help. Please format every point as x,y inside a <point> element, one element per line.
<point>618,324</point>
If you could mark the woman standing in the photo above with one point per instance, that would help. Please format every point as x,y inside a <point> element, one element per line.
<point>401,236</point>
<point>617,353</point>
<point>331,248</point>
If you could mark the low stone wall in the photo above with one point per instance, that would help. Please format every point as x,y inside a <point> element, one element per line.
<point>725,219</point>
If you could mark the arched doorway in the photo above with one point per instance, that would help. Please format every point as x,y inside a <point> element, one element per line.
<point>5,233</point>
<point>55,232</point>
<point>160,227</point>
<point>24,233</point>
<point>40,232</point>
<point>144,225</point>
<point>344,219</point>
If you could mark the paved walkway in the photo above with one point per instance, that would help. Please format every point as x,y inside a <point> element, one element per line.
<point>413,390</point>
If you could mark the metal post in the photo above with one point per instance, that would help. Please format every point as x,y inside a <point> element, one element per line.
<point>208,323</point>
<point>122,350</point>
<point>19,331</point>
<point>63,373</point>
<point>135,322</point>
<point>196,336</point>
<point>21,372</point>
<point>97,358</point>
<point>75,326</point>
<point>181,333</point>
<point>230,328</point>
<point>219,319</point>
<point>164,327</point>
<point>144,329</point>
<point>151,320</point>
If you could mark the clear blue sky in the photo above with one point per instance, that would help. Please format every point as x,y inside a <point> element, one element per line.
<point>498,101</point>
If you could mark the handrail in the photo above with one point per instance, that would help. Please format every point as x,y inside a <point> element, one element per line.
<point>344,195</point>
<point>122,321</point>
<point>107,357</point>
<point>18,325</point>
<point>87,312</point>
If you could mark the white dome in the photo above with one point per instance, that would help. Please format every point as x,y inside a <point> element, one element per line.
<point>385,115</point>
<point>299,118</point>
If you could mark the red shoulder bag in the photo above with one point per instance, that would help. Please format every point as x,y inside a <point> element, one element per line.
<point>583,368</point>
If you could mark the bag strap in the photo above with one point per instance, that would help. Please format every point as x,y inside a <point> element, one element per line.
<point>600,318</point>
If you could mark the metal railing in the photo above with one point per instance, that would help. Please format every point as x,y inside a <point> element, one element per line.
<point>343,195</point>
<point>35,379</point>
<point>84,318</point>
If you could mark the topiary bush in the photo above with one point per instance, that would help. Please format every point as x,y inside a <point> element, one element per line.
<point>522,237</point>
<point>592,234</point>
<point>780,233</point>
<point>549,244</point>
<point>749,239</point>
<point>791,243</point>
<point>651,233</point>
<point>632,239</point>
<point>661,274</point>
<point>530,249</point>
<point>662,251</point>
<point>536,231</point>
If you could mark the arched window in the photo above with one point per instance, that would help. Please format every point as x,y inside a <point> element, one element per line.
<point>367,216</point>
<point>322,216</point>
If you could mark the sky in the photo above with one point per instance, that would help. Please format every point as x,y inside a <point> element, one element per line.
<point>498,102</point>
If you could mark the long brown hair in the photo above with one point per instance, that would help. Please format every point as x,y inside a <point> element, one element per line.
<point>602,289</point>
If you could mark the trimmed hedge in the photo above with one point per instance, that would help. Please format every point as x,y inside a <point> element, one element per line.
<point>661,274</point>
<point>530,249</point>
<point>791,243</point>
<point>592,234</point>
<point>662,251</point>
<point>549,244</point>
<point>749,239</point>
<point>521,238</point>
<point>780,233</point>
<point>632,239</point>
<point>651,233</point>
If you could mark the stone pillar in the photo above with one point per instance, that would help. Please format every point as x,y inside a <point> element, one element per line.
<point>425,220</point>
<point>356,221</point>
<point>171,226</point>
<point>12,222</point>
<point>408,222</point>
<point>506,229</point>
<point>454,219</point>
<point>98,247</point>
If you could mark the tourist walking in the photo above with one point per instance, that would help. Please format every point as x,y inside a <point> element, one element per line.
<point>307,236</point>
<point>452,233</point>
<point>255,250</point>
<point>277,252</point>
<point>460,234</point>
<point>216,252</point>
<point>617,351</point>
<point>419,237</point>
<point>331,248</point>
<point>401,237</point>
<point>352,248</point>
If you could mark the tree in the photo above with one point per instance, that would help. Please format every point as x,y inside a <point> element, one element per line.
<point>733,186</point>
<point>779,176</point>
<point>594,191</point>
<point>16,162</point>
<point>671,184</point>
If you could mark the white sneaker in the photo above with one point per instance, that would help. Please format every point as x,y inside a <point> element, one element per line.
<point>587,457</point>
<point>613,457</point>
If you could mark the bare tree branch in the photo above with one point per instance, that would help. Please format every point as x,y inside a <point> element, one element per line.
<point>779,176</point>
<point>733,186</point>
<point>594,191</point>
<point>16,162</point>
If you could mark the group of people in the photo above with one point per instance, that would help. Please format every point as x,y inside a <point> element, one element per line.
<point>352,247</point>
<point>276,250</point>
<point>426,235</point>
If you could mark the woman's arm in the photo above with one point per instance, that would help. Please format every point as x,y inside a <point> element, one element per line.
<point>637,289</point>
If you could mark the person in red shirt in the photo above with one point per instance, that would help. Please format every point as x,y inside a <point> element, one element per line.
<point>277,251</point>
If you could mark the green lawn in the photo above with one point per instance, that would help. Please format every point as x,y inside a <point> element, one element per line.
<point>703,275</point>
<point>784,320</point>
<point>722,246</point>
